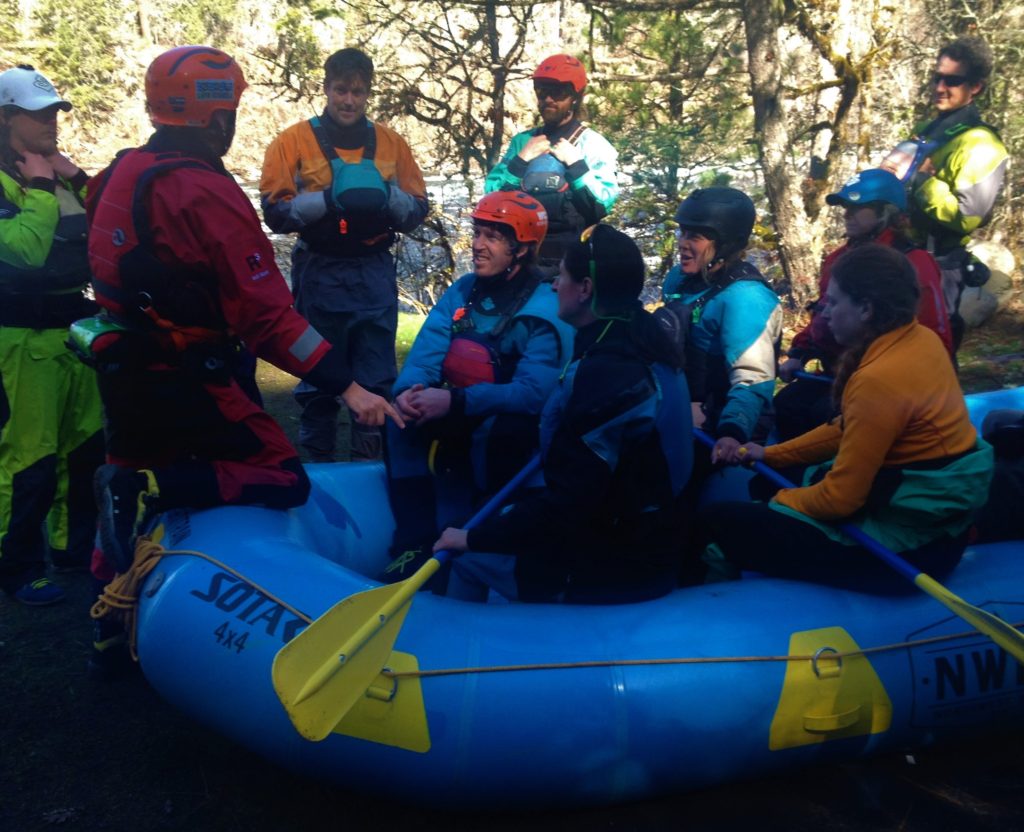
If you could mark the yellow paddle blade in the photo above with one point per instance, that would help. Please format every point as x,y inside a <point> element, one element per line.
<point>1006,636</point>
<point>322,672</point>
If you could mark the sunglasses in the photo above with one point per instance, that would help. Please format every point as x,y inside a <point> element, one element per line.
<point>949,80</point>
<point>554,93</point>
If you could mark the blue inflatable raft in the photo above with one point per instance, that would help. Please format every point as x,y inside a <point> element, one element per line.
<point>494,705</point>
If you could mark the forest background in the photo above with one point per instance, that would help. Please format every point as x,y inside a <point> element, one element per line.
<point>783,98</point>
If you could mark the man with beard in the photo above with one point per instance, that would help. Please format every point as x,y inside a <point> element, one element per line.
<point>567,166</point>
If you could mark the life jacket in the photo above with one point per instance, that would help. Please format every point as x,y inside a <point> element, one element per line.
<point>708,373</point>
<point>49,296</point>
<point>545,179</point>
<point>473,356</point>
<point>360,225</point>
<point>177,305</point>
<point>676,316</point>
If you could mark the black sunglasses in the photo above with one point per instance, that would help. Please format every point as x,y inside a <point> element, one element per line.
<point>949,80</point>
<point>554,93</point>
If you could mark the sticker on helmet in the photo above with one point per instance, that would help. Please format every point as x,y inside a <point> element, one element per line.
<point>215,89</point>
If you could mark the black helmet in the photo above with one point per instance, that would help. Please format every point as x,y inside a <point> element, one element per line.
<point>727,213</point>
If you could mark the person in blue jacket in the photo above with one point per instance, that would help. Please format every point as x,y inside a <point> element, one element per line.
<point>476,378</point>
<point>734,317</point>
<point>608,525</point>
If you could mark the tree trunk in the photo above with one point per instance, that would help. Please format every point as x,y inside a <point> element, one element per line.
<point>799,255</point>
<point>144,28</point>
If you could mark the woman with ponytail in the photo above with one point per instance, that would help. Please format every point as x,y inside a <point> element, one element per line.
<point>607,525</point>
<point>901,460</point>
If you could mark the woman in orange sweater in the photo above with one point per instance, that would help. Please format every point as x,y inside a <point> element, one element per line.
<point>901,461</point>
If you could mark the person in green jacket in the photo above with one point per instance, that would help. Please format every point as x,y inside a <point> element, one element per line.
<point>50,413</point>
<point>954,168</point>
<point>568,167</point>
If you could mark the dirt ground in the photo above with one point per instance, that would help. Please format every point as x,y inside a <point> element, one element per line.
<point>77,753</point>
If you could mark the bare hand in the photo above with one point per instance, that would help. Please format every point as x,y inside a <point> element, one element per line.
<point>62,165</point>
<point>725,451</point>
<point>697,412</point>
<point>789,368</point>
<point>34,165</point>
<point>926,167</point>
<point>454,540</point>
<point>566,152</point>
<point>432,403</point>
<point>369,408</point>
<point>536,146</point>
<point>404,404</point>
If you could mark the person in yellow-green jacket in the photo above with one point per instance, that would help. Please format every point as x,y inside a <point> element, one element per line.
<point>50,413</point>
<point>954,169</point>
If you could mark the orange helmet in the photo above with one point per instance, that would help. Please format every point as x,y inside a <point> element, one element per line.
<point>520,212</point>
<point>562,69</point>
<point>188,84</point>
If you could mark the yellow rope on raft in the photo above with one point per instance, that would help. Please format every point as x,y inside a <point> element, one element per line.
<point>836,656</point>
<point>120,599</point>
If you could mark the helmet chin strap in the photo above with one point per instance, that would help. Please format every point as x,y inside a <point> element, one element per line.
<point>517,260</point>
<point>221,131</point>
<point>705,270</point>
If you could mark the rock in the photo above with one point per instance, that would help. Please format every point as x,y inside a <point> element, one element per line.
<point>994,255</point>
<point>1001,285</point>
<point>977,306</point>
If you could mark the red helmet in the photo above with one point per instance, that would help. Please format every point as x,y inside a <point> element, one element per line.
<point>188,84</point>
<point>520,212</point>
<point>562,69</point>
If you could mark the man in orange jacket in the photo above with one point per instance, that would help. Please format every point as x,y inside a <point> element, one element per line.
<point>347,185</point>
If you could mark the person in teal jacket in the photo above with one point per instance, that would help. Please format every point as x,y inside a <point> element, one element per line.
<point>954,168</point>
<point>50,415</point>
<point>734,318</point>
<point>475,381</point>
<point>566,165</point>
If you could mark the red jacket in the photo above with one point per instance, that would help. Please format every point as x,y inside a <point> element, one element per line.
<point>816,341</point>
<point>205,231</point>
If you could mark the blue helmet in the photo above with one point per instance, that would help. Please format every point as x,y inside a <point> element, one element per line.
<point>871,185</point>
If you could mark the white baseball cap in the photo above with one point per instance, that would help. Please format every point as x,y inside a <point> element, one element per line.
<point>24,87</point>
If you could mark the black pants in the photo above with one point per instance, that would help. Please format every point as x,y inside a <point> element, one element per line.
<point>755,537</point>
<point>801,406</point>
